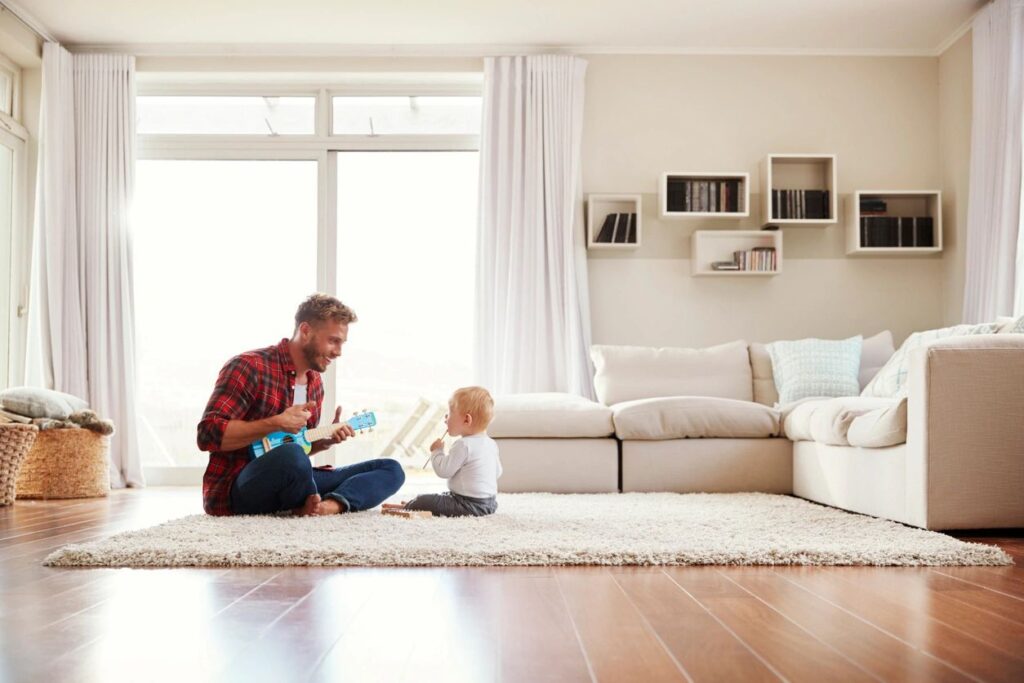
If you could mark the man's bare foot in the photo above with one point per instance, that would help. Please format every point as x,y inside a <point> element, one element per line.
<point>309,507</point>
<point>330,506</point>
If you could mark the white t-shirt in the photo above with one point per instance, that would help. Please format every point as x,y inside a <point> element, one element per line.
<point>300,394</point>
<point>472,467</point>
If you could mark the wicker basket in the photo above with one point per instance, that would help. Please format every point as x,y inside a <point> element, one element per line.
<point>66,463</point>
<point>15,442</point>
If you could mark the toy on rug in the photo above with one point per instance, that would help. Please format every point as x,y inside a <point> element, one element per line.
<point>393,510</point>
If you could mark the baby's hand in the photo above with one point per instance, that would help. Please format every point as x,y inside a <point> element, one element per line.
<point>437,445</point>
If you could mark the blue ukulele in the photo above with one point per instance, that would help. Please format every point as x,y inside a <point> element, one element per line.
<point>305,437</point>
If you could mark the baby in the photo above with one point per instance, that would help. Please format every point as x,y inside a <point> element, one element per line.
<point>472,467</point>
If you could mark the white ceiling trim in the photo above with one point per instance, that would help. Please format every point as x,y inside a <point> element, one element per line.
<point>307,50</point>
<point>31,22</point>
<point>957,34</point>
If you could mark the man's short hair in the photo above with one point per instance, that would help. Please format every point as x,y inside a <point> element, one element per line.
<point>320,307</point>
<point>475,401</point>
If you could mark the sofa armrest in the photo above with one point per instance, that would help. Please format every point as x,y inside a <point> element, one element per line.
<point>965,432</point>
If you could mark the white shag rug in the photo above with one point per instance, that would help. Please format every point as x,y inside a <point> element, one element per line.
<point>545,529</point>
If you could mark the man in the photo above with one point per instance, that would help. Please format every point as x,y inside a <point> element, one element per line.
<point>275,389</point>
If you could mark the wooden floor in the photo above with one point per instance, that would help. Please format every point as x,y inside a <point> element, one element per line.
<point>485,624</point>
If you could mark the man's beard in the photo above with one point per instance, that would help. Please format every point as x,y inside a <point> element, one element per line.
<point>313,359</point>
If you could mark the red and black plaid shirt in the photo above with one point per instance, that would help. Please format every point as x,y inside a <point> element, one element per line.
<point>251,386</point>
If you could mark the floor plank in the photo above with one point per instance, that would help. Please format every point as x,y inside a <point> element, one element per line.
<point>792,651</point>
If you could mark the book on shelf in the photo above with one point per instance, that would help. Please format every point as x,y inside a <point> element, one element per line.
<point>627,228</point>
<point>607,232</point>
<point>620,228</point>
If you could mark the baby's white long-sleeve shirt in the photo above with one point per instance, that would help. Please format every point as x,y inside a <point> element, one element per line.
<point>472,467</point>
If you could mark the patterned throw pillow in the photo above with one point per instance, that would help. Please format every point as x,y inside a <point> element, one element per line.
<point>1019,327</point>
<point>891,380</point>
<point>815,367</point>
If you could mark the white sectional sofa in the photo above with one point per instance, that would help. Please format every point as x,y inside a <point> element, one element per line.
<point>949,455</point>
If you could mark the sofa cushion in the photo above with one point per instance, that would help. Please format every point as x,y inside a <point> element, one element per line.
<point>815,367</point>
<point>874,353</point>
<point>881,427</point>
<point>826,420</point>
<point>628,373</point>
<point>547,415</point>
<point>41,403</point>
<point>795,418</point>
<point>891,380</point>
<point>684,417</point>
<point>831,420</point>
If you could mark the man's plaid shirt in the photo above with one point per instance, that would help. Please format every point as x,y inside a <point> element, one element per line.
<point>251,386</point>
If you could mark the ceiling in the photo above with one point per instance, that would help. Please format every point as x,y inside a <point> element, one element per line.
<point>482,26</point>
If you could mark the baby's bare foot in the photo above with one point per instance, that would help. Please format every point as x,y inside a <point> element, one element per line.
<point>329,506</point>
<point>309,507</point>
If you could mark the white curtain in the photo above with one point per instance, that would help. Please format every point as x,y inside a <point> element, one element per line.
<point>533,310</point>
<point>995,247</point>
<point>82,322</point>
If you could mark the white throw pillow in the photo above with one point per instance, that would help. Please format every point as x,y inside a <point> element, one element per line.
<point>891,380</point>
<point>815,367</point>
<point>875,352</point>
<point>36,403</point>
<point>628,373</point>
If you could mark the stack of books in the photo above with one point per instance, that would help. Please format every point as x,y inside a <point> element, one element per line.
<point>618,228</point>
<point>703,196</point>
<point>872,206</point>
<point>758,259</point>
<point>897,231</point>
<point>800,204</point>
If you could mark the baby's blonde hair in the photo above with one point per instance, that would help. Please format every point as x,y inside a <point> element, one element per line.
<point>475,401</point>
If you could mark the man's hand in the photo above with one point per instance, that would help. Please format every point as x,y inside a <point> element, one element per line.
<point>294,418</point>
<point>343,431</point>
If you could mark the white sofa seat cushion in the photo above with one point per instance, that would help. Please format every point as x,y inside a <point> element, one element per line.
<point>628,373</point>
<point>795,418</point>
<point>693,417</point>
<point>828,420</point>
<point>549,415</point>
<point>831,421</point>
<point>881,427</point>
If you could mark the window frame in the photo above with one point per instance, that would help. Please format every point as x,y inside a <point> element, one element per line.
<point>14,71</point>
<point>322,147</point>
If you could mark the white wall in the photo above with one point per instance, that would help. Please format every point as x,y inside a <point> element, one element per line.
<point>648,114</point>
<point>955,83</point>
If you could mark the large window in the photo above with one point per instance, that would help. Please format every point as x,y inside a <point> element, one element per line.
<point>207,115</point>
<point>224,250</point>
<point>406,263</point>
<point>234,228</point>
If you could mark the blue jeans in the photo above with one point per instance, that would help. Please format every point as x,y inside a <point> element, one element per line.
<point>284,477</point>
